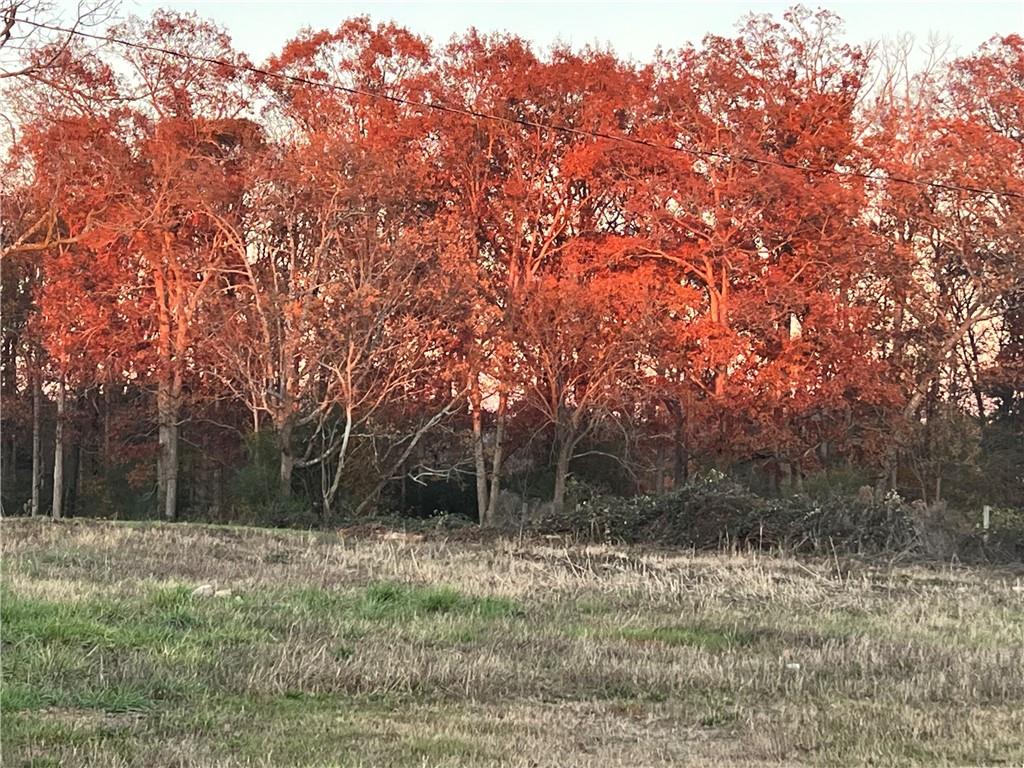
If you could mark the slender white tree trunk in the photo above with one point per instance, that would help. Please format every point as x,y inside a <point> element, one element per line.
<point>58,454</point>
<point>476,412</point>
<point>287,466</point>
<point>37,443</point>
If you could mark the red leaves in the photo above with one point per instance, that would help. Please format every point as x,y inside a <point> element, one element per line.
<point>341,236</point>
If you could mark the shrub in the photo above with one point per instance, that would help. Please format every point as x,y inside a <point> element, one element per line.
<point>714,511</point>
<point>256,491</point>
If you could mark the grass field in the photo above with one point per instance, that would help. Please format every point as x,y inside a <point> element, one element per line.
<point>327,650</point>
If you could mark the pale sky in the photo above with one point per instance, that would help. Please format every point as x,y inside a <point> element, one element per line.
<point>634,30</point>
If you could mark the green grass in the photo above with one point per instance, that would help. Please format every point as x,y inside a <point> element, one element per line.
<point>340,653</point>
<point>398,602</point>
<point>694,637</point>
<point>162,650</point>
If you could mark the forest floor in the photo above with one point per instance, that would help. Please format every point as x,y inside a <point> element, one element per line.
<point>327,649</point>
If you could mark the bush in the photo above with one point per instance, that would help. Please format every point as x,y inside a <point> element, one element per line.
<point>714,511</point>
<point>256,490</point>
<point>1003,542</point>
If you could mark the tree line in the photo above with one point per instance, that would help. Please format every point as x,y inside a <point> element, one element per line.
<point>376,263</point>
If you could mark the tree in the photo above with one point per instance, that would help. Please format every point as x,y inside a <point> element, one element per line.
<point>760,229</point>
<point>953,237</point>
<point>517,197</point>
<point>336,311</point>
<point>135,246</point>
<point>582,336</point>
<point>738,256</point>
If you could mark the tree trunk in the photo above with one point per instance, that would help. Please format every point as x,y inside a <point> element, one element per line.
<point>719,296</point>
<point>480,460</point>
<point>58,454</point>
<point>681,468</point>
<point>328,494</point>
<point>499,455</point>
<point>287,458</point>
<point>171,501</point>
<point>167,464</point>
<point>681,454</point>
<point>979,397</point>
<point>172,321</point>
<point>325,509</point>
<point>287,467</point>
<point>161,458</point>
<point>774,471</point>
<point>37,443</point>
<point>561,474</point>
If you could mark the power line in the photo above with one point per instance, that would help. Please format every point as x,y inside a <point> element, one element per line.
<point>524,122</point>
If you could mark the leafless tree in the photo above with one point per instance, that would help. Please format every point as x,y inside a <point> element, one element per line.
<point>34,33</point>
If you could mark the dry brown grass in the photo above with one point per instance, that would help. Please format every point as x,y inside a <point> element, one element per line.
<point>534,654</point>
